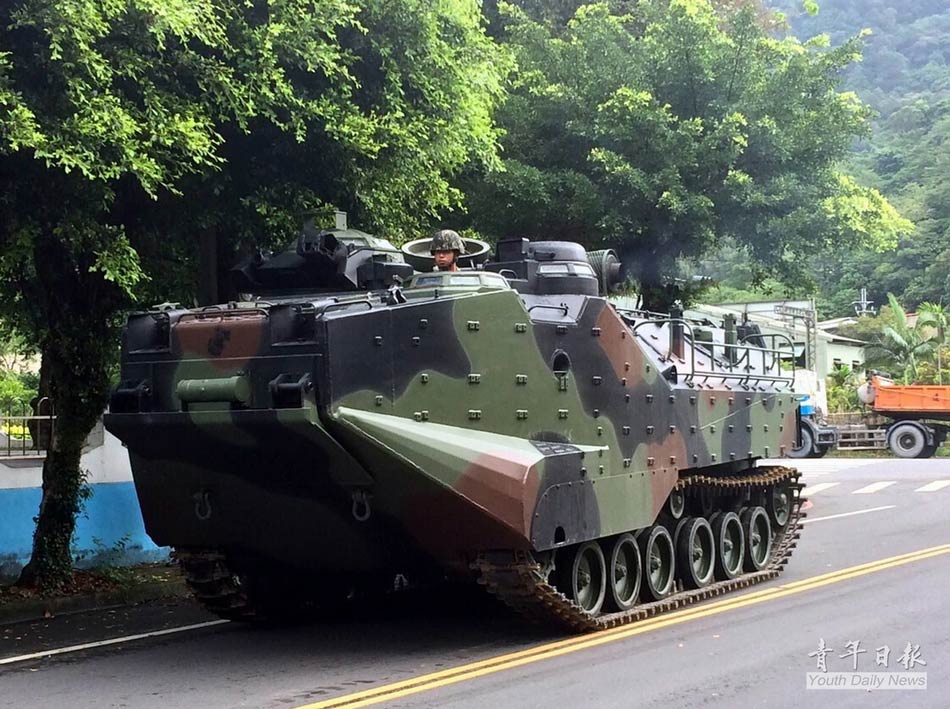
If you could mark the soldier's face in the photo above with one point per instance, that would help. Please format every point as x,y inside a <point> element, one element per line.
<point>444,259</point>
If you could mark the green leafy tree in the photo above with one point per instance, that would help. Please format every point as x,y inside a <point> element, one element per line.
<point>928,371</point>
<point>904,343</point>
<point>14,350</point>
<point>841,376</point>
<point>842,390</point>
<point>132,131</point>
<point>907,160</point>
<point>664,127</point>
<point>15,394</point>
<point>935,316</point>
<point>904,76</point>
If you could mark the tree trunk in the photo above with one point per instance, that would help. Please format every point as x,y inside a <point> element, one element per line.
<point>79,391</point>
<point>51,563</point>
<point>78,346</point>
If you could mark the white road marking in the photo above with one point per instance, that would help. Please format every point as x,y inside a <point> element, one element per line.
<point>874,487</point>
<point>813,489</point>
<point>849,514</point>
<point>110,641</point>
<point>823,466</point>
<point>827,466</point>
<point>934,486</point>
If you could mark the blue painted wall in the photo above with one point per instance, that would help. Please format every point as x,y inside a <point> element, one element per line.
<point>110,530</point>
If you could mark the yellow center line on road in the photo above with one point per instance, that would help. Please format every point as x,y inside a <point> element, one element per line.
<point>427,682</point>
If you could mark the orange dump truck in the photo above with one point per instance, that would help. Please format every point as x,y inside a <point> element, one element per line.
<point>916,411</point>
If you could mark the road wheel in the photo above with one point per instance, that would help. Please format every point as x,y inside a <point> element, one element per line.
<point>624,573</point>
<point>586,579</point>
<point>730,545</point>
<point>907,440</point>
<point>676,503</point>
<point>779,503</point>
<point>680,524</point>
<point>808,444</point>
<point>695,553</point>
<point>757,531</point>
<point>656,551</point>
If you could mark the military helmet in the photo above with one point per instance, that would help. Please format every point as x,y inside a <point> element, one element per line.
<point>446,240</point>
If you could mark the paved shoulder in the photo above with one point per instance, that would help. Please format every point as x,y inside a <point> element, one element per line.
<point>811,467</point>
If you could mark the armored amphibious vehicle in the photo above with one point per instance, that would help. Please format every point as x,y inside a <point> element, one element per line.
<point>351,419</point>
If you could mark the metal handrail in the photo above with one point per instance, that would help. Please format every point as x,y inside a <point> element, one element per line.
<point>774,349</point>
<point>563,307</point>
<point>26,445</point>
<point>729,373</point>
<point>641,312</point>
<point>345,304</point>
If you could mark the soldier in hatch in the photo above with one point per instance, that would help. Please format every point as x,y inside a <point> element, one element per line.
<point>446,246</point>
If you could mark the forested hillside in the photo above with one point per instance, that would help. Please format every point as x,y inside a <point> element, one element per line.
<point>904,76</point>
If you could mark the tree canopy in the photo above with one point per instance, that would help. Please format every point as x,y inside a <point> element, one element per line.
<point>130,130</point>
<point>667,127</point>
<point>904,77</point>
<point>139,139</point>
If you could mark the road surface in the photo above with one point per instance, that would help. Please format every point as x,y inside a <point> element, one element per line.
<point>866,588</point>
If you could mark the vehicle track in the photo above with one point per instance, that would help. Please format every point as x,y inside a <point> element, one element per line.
<point>515,577</point>
<point>519,581</point>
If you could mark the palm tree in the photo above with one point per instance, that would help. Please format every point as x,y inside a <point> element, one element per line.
<point>937,317</point>
<point>903,343</point>
<point>842,393</point>
<point>841,376</point>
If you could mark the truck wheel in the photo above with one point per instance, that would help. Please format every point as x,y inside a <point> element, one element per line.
<point>820,451</point>
<point>808,445</point>
<point>907,440</point>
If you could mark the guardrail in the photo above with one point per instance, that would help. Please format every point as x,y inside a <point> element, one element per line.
<point>26,431</point>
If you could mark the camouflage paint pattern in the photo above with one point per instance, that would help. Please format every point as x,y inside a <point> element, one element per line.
<point>466,419</point>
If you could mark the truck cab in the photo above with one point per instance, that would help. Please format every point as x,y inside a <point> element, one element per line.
<point>816,438</point>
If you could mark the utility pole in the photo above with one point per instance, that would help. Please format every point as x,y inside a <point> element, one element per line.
<point>864,306</point>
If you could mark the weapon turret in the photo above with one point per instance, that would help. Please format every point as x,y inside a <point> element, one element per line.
<point>549,267</point>
<point>323,260</point>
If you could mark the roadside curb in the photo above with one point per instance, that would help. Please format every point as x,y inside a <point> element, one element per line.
<point>40,608</point>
